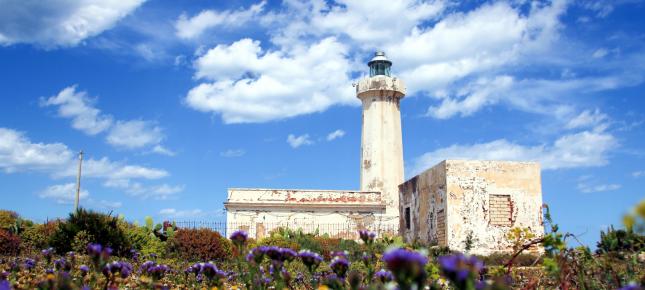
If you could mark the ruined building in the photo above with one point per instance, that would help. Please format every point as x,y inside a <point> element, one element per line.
<point>451,204</point>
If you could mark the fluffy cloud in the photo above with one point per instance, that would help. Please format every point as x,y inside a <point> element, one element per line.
<point>582,149</point>
<point>18,153</point>
<point>297,141</point>
<point>193,27</point>
<point>637,174</point>
<point>80,108</point>
<point>63,193</point>
<point>135,134</point>
<point>247,84</point>
<point>587,118</point>
<point>59,22</point>
<point>587,188</point>
<point>138,189</point>
<point>335,135</point>
<point>132,134</point>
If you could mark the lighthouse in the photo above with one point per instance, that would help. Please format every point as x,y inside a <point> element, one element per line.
<point>381,143</point>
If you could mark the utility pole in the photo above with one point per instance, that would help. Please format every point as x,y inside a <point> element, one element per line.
<point>78,180</point>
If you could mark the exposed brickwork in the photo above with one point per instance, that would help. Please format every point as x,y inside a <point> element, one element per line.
<point>500,210</point>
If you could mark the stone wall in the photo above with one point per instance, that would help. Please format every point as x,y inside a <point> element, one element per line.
<point>335,212</point>
<point>480,199</point>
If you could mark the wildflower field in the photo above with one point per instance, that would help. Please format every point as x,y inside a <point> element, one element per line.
<point>91,250</point>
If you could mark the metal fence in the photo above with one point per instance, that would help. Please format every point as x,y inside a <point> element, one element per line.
<point>260,230</point>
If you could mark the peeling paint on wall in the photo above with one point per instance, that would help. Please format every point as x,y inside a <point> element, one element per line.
<point>461,192</point>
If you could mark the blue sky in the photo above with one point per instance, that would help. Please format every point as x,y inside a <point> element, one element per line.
<point>175,101</point>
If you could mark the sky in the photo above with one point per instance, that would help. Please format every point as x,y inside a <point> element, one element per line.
<point>173,102</point>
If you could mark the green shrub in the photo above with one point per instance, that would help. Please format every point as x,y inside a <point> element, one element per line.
<point>103,228</point>
<point>9,243</point>
<point>501,258</point>
<point>614,241</point>
<point>81,240</point>
<point>199,244</point>
<point>7,219</point>
<point>34,238</point>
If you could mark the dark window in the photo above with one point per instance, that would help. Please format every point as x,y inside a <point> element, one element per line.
<point>407,218</point>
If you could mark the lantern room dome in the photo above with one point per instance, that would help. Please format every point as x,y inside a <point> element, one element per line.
<point>379,65</point>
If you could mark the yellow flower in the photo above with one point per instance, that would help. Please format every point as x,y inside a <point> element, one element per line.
<point>323,287</point>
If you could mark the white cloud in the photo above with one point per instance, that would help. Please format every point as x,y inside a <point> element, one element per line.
<point>85,117</point>
<point>473,97</point>
<point>106,169</point>
<point>18,153</point>
<point>138,189</point>
<point>193,27</point>
<point>174,213</point>
<point>159,149</point>
<point>582,149</point>
<point>335,135</point>
<point>63,193</point>
<point>231,153</point>
<point>587,188</point>
<point>637,174</point>
<point>134,134</point>
<point>587,118</point>
<point>248,84</point>
<point>59,22</point>
<point>297,141</point>
<point>600,53</point>
<point>80,108</point>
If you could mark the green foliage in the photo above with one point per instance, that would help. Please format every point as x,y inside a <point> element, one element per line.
<point>7,219</point>
<point>103,228</point>
<point>303,240</point>
<point>200,244</point>
<point>9,243</point>
<point>81,240</point>
<point>34,238</point>
<point>615,241</point>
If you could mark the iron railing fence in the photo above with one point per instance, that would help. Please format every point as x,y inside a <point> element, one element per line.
<point>260,230</point>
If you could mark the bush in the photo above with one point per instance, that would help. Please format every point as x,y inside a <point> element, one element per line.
<point>9,243</point>
<point>199,244</point>
<point>620,241</point>
<point>501,258</point>
<point>103,228</point>
<point>7,219</point>
<point>33,238</point>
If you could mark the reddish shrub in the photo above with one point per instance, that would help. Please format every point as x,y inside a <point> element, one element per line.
<point>199,244</point>
<point>9,243</point>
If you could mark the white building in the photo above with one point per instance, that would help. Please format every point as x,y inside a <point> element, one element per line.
<point>442,205</point>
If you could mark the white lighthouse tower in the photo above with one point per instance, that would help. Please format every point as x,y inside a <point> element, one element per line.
<point>381,144</point>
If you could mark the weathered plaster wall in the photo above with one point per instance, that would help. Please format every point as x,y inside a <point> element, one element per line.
<point>381,142</point>
<point>469,186</point>
<point>425,195</point>
<point>337,213</point>
<point>458,192</point>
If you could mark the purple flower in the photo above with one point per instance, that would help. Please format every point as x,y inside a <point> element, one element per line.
<point>257,254</point>
<point>3,275</point>
<point>47,253</point>
<point>134,254</point>
<point>458,267</point>
<point>239,237</point>
<point>383,276</point>
<point>273,253</point>
<point>62,265</point>
<point>342,254</point>
<point>287,254</point>
<point>631,287</point>
<point>406,266</point>
<point>367,236</point>
<point>94,250</point>
<point>145,266</point>
<point>310,259</point>
<point>209,270</point>
<point>5,285</point>
<point>340,266</point>
<point>30,264</point>
<point>84,270</point>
